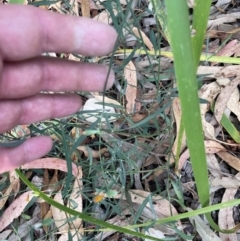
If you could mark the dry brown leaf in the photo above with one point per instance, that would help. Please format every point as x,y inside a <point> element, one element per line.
<point>226,182</point>
<point>74,7</point>
<point>117,220</point>
<point>217,71</point>
<point>210,71</point>
<point>223,98</point>
<point>225,216</point>
<point>45,217</point>
<point>218,21</point>
<point>162,206</point>
<point>143,37</point>
<point>94,5</point>
<point>54,184</point>
<point>76,235</point>
<point>177,115</point>
<point>5,197</point>
<point>130,75</point>
<point>51,163</point>
<point>233,103</point>
<point>24,229</point>
<point>230,159</point>
<point>5,234</point>
<point>76,196</point>
<point>208,92</point>
<point>105,17</point>
<point>85,7</point>
<point>210,148</point>
<point>203,229</point>
<point>96,154</point>
<point>15,209</point>
<point>105,99</point>
<point>15,182</point>
<point>213,165</point>
<point>136,117</point>
<point>59,216</point>
<point>73,58</point>
<point>45,206</point>
<point>228,71</point>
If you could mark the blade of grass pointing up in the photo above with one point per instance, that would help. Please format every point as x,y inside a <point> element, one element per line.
<point>200,19</point>
<point>186,54</point>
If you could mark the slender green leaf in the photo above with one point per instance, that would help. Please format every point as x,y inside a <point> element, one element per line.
<point>203,57</point>
<point>200,19</point>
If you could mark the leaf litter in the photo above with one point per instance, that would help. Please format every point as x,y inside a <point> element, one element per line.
<point>123,167</point>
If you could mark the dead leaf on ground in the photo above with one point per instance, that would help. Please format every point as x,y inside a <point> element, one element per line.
<point>73,58</point>
<point>226,182</point>
<point>213,165</point>
<point>211,147</point>
<point>177,116</point>
<point>5,234</point>
<point>76,196</point>
<point>85,7</point>
<point>15,182</point>
<point>105,16</point>
<point>76,235</point>
<point>130,75</point>
<point>98,111</point>
<point>230,159</point>
<point>5,194</point>
<point>59,216</point>
<point>219,72</point>
<point>96,154</point>
<point>105,99</point>
<point>120,221</point>
<point>223,98</point>
<point>203,229</point>
<point>61,219</point>
<point>15,209</point>
<point>233,103</point>
<point>51,163</point>
<point>93,5</point>
<point>208,92</point>
<point>218,21</point>
<point>154,233</point>
<point>162,206</point>
<point>143,37</point>
<point>225,216</point>
<point>24,230</point>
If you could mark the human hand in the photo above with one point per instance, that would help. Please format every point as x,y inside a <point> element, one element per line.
<point>25,33</point>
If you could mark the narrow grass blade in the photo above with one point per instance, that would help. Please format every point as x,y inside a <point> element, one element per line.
<point>230,128</point>
<point>203,57</point>
<point>200,19</point>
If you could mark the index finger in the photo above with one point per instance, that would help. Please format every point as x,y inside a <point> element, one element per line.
<point>28,31</point>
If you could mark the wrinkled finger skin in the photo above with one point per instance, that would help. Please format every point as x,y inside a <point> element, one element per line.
<point>25,74</point>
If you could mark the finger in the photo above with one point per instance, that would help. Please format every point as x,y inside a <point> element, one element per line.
<point>37,108</point>
<point>35,31</point>
<point>30,150</point>
<point>28,77</point>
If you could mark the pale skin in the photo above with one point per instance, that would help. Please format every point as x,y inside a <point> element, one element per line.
<point>25,33</point>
